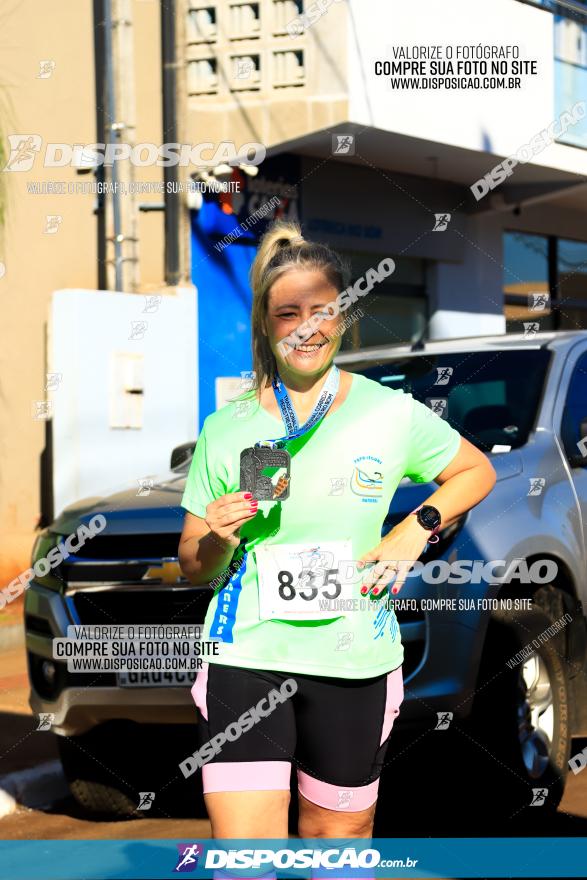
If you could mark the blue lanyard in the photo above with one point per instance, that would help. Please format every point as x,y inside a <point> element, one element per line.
<point>290,420</point>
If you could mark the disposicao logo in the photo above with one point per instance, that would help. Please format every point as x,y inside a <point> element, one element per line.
<point>188,856</point>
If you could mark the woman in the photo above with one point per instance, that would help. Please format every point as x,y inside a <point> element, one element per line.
<point>336,668</point>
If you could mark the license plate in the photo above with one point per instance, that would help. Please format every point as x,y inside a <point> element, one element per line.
<point>154,679</point>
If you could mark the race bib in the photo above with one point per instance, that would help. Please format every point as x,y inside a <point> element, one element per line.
<point>304,582</point>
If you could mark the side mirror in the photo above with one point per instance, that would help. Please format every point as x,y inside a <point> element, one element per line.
<point>578,458</point>
<point>182,454</point>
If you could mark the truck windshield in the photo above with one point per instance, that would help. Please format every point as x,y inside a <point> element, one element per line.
<point>491,398</point>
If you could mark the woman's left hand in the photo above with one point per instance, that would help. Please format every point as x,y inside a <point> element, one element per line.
<point>393,557</point>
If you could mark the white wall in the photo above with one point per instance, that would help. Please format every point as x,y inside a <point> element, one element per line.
<point>85,328</point>
<point>466,298</point>
<point>493,121</point>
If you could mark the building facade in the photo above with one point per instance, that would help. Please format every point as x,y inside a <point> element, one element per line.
<point>377,167</point>
<point>364,157</point>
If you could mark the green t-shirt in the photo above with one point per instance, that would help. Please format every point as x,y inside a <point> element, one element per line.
<point>344,473</point>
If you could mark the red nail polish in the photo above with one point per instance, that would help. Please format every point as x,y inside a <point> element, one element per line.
<point>363,590</point>
<point>248,495</point>
<point>376,591</point>
<point>395,590</point>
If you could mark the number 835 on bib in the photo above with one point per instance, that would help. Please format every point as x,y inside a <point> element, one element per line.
<point>302,581</point>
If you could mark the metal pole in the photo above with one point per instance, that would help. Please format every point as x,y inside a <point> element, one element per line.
<point>112,133</point>
<point>100,136</point>
<point>170,173</point>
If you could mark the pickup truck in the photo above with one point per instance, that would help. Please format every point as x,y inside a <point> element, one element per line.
<point>499,661</point>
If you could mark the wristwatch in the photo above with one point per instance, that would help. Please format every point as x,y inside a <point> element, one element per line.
<point>430,519</point>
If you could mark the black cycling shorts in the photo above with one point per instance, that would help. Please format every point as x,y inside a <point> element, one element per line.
<point>253,724</point>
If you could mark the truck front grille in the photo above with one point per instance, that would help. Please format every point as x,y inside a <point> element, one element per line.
<point>138,546</point>
<point>153,605</point>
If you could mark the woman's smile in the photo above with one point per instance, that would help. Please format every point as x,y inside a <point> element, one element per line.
<point>308,349</point>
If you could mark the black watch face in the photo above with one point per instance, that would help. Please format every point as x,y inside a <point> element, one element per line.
<point>429,517</point>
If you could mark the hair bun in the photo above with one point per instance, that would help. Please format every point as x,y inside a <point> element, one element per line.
<point>280,235</point>
<point>293,238</point>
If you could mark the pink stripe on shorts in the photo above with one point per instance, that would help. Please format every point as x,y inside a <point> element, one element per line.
<point>254,724</point>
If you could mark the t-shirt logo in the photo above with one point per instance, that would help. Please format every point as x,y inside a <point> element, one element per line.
<point>367,478</point>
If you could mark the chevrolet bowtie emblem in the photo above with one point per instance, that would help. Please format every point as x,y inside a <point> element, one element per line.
<point>169,572</point>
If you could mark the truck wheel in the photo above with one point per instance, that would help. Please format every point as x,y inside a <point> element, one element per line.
<point>108,768</point>
<point>97,788</point>
<point>521,714</point>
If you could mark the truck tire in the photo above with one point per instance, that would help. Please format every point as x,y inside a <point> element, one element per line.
<point>520,715</point>
<point>108,767</point>
<point>93,780</point>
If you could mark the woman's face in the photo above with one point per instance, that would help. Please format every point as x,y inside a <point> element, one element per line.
<point>293,298</point>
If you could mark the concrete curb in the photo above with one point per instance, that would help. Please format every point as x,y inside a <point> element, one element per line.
<point>34,787</point>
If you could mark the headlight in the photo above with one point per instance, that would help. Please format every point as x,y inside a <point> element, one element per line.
<point>49,574</point>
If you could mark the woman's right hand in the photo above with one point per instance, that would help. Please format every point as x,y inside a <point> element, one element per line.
<point>227,514</point>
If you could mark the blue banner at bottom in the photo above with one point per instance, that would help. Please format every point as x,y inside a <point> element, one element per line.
<point>294,858</point>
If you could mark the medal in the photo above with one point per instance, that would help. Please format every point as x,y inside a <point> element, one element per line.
<point>254,462</point>
<point>269,455</point>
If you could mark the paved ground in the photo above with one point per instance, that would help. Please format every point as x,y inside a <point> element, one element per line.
<point>21,746</point>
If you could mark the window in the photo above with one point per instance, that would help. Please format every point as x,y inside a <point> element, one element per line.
<point>202,77</point>
<point>572,284</point>
<point>487,401</point>
<point>244,20</point>
<point>285,13</point>
<point>288,68</point>
<point>573,8</point>
<point>201,25</point>
<point>535,265</point>
<point>245,72</point>
<point>526,281</point>
<point>570,42</point>
<point>575,412</point>
<point>570,74</point>
<point>570,62</point>
<point>394,311</point>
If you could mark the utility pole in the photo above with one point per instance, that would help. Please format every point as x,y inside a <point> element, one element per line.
<point>120,128</point>
<point>173,201</point>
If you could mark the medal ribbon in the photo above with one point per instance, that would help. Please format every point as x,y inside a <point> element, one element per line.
<point>290,420</point>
